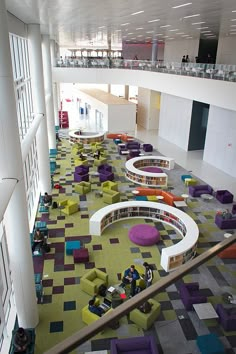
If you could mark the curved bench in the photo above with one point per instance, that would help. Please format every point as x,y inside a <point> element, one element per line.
<point>171,257</point>
<point>168,197</point>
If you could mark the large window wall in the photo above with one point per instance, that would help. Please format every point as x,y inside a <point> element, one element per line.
<point>31,175</point>
<point>22,81</point>
<point>24,106</point>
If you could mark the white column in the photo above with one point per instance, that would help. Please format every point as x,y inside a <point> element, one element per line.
<point>36,69</point>
<point>47,70</point>
<point>154,50</point>
<point>55,93</point>
<point>15,218</point>
<point>127,92</point>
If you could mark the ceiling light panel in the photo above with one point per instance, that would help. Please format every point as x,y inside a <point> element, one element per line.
<point>137,13</point>
<point>165,26</point>
<point>182,5</point>
<point>196,15</point>
<point>154,20</point>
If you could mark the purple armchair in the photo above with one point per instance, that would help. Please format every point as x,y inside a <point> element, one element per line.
<point>137,345</point>
<point>106,176</point>
<point>132,145</point>
<point>196,191</point>
<point>104,167</point>
<point>81,176</point>
<point>227,317</point>
<point>147,147</point>
<point>225,223</point>
<point>234,209</point>
<point>190,295</point>
<point>82,168</point>
<point>134,153</point>
<point>224,196</point>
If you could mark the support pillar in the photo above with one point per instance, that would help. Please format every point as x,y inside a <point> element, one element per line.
<point>11,166</point>
<point>36,69</point>
<point>47,70</point>
<point>154,51</point>
<point>127,92</point>
<point>54,84</point>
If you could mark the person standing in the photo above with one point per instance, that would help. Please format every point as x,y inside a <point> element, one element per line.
<point>183,59</point>
<point>130,277</point>
<point>47,200</point>
<point>187,59</point>
<point>148,276</point>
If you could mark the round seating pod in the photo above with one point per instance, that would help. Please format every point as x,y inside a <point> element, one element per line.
<point>144,235</point>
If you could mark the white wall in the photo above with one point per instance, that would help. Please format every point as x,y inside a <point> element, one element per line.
<point>220,144</point>
<point>16,26</point>
<point>121,117</point>
<point>175,119</point>
<point>216,92</point>
<point>148,108</point>
<point>226,51</point>
<point>174,50</point>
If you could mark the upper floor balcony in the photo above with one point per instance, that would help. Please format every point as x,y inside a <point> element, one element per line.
<point>200,70</point>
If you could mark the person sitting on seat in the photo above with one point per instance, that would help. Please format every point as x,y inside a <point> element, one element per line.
<point>97,154</point>
<point>47,200</point>
<point>94,308</point>
<point>38,240</point>
<point>21,340</point>
<point>130,277</point>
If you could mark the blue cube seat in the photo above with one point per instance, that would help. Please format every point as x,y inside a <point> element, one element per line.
<point>40,225</point>
<point>71,246</point>
<point>185,176</point>
<point>141,197</point>
<point>210,344</point>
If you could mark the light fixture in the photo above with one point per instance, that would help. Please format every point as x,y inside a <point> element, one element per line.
<point>176,7</point>
<point>125,24</point>
<point>234,11</point>
<point>198,23</point>
<point>200,28</point>
<point>206,32</point>
<point>139,28</point>
<point>196,15</point>
<point>233,19</point>
<point>180,33</point>
<point>130,33</point>
<point>185,35</point>
<point>188,37</point>
<point>149,31</point>
<point>101,27</point>
<point>140,35</point>
<point>154,20</point>
<point>137,13</point>
<point>232,25</point>
<point>174,30</point>
<point>165,26</point>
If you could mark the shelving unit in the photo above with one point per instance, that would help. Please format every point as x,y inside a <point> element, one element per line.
<point>171,257</point>
<point>135,173</point>
<point>86,138</point>
<point>63,119</point>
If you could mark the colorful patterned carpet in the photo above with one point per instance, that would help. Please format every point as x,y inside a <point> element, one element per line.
<point>176,329</point>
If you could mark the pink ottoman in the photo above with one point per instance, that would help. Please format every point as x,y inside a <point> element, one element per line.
<point>144,235</point>
<point>81,255</point>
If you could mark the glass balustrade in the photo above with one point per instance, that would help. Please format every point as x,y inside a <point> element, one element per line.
<point>199,70</point>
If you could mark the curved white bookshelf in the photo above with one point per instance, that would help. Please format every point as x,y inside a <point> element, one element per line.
<point>86,137</point>
<point>135,173</point>
<point>171,257</point>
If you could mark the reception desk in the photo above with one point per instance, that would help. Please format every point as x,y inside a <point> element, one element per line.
<point>135,170</point>
<point>77,136</point>
<point>171,257</point>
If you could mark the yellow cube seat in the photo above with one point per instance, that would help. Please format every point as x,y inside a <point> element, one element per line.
<point>91,281</point>
<point>70,206</point>
<point>146,320</point>
<point>83,187</point>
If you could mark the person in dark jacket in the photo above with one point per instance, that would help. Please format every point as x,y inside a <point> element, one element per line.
<point>130,276</point>
<point>21,340</point>
<point>94,308</point>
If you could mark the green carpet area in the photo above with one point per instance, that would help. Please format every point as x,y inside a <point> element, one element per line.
<point>60,312</point>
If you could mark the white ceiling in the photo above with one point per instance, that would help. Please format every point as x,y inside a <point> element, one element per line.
<point>84,23</point>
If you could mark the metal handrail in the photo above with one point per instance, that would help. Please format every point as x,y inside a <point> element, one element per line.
<point>201,70</point>
<point>88,332</point>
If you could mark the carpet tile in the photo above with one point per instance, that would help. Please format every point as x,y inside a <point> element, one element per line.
<point>113,252</point>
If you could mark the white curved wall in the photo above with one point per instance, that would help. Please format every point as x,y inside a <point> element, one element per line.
<point>216,92</point>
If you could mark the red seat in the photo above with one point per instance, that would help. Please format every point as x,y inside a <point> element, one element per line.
<point>81,255</point>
